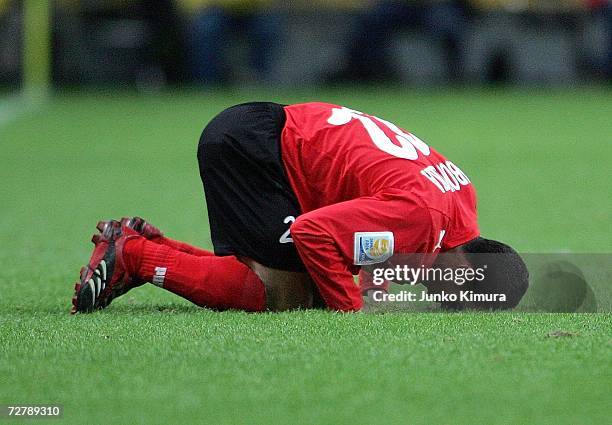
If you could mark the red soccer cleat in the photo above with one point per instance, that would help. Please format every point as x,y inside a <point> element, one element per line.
<point>142,227</point>
<point>105,277</point>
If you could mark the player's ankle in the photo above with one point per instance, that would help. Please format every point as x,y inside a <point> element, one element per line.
<point>149,260</point>
<point>133,250</point>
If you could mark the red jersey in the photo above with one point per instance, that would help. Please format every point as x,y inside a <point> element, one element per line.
<point>334,154</point>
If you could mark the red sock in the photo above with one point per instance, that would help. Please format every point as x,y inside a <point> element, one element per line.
<point>220,283</point>
<point>182,246</point>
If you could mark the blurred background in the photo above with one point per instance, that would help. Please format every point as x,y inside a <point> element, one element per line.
<point>303,43</point>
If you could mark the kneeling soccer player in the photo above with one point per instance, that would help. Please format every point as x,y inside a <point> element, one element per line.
<point>299,198</point>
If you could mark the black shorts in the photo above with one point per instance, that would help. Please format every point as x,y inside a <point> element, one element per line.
<point>249,200</point>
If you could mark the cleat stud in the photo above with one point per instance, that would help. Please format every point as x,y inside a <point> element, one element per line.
<point>98,283</point>
<point>92,285</point>
<point>102,268</point>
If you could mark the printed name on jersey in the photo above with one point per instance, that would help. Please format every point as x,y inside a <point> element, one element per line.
<point>446,176</point>
<point>372,247</point>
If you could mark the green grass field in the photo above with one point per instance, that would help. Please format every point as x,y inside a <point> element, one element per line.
<point>541,164</point>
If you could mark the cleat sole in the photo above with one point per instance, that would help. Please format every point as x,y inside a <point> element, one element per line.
<point>86,298</point>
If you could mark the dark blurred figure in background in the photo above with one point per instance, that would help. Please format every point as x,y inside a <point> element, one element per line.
<point>166,48</point>
<point>602,9</point>
<point>9,42</point>
<point>444,20</point>
<point>212,26</point>
<point>108,41</point>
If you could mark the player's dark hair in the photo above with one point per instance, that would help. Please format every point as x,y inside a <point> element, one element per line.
<point>505,273</point>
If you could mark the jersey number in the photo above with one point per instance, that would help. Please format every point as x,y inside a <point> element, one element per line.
<point>286,237</point>
<point>409,145</point>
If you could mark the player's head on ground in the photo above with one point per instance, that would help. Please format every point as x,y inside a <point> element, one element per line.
<point>499,270</point>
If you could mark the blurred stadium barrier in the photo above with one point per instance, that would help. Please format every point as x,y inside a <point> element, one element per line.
<point>25,56</point>
<point>151,43</point>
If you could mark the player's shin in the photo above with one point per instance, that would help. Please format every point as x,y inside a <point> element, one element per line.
<point>183,247</point>
<point>154,234</point>
<point>215,282</point>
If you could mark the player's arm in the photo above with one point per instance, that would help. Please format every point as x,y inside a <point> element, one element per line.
<point>326,240</point>
<point>316,236</point>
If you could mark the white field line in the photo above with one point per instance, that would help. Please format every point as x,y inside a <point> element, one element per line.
<point>18,105</point>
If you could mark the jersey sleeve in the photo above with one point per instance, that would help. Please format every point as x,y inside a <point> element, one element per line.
<point>334,241</point>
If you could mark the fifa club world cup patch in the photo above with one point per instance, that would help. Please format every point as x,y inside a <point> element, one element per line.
<point>372,247</point>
